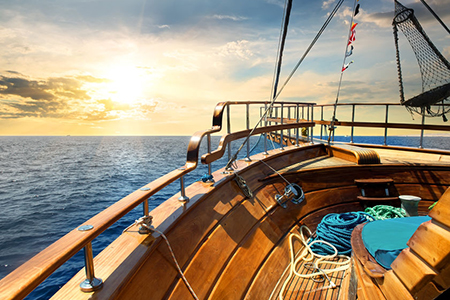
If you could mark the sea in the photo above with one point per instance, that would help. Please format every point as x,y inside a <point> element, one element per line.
<point>50,185</point>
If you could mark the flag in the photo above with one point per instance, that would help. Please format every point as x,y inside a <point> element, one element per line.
<point>349,52</point>
<point>352,34</point>
<point>356,10</point>
<point>345,67</point>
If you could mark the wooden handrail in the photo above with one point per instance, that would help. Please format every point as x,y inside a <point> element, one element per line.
<point>23,280</point>
<point>226,139</point>
<point>28,276</point>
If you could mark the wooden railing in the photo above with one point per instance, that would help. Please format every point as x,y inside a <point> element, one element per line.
<point>287,116</point>
<point>19,283</point>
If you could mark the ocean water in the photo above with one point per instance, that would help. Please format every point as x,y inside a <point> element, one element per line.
<point>50,185</point>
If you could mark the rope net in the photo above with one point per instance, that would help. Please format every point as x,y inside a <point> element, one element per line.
<point>434,67</point>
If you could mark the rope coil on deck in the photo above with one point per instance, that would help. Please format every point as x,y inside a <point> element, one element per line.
<point>307,256</point>
<point>336,229</point>
<point>383,212</point>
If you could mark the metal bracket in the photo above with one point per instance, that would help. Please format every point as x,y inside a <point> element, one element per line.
<point>292,192</point>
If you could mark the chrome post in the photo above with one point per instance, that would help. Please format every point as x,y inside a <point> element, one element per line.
<point>386,122</point>
<point>307,119</point>
<point>281,131</point>
<point>276,117</point>
<point>321,119</point>
<point>312,119</point>
<point>229,130</point>
<point>183,196</point>
<point>247,113</point>
<point>91,283</point>
<point>208,137</point>
<point>289,119</point>
<point>142,229</point>
<point>265,133</point>
<point>353,120</point>
<point>298,128</point>
<point>421,131</point>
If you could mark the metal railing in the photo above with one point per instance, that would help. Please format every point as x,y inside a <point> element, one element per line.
<point>27,277</point>
<point>284,118</point>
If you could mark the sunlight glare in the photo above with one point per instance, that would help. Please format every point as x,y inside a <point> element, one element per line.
<point>126,84</point>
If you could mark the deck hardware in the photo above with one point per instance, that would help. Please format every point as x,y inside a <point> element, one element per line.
<point>91,283</point>
<point>243,186</point>
<point>247,116</point>
<point>85,228</point>
<point>183,197</point>
<point>143,229</point>
<point>209,151</point>
<point>144,189</point>
<point>292,192</point>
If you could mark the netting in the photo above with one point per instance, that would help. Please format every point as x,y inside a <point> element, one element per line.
<point>434,68</point>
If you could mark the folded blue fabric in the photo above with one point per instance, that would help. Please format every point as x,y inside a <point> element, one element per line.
<point>385,239</point>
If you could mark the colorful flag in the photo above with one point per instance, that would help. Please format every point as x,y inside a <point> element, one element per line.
<point>345,67</point>
<point>349,52</point>
<point>352,34</point>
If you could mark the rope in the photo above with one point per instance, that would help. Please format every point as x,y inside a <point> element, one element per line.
<point>307,256</point>
<point>383,212</point>
<point>207,178</point>
<point>324,26</point>
<point>331,128</point>
<point>336,229</point>
<point>143,222</point>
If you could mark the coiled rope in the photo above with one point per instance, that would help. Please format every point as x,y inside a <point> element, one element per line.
<point>307,256</point>
<point>336,229</point>
<point>383,212</point>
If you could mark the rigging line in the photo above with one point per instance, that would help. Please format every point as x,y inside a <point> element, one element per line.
<point>435,15</point>
<point>283,41</point>
<point>275,171</point>
<point>311,45</point>
<point>342,72</point>
<point>278,50</point>
<point>316,38</point>
<point>286,16</point>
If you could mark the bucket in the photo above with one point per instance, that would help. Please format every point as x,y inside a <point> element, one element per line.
<point>410,204</point>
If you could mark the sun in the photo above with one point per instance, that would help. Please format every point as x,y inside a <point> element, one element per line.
<point>126,84</point>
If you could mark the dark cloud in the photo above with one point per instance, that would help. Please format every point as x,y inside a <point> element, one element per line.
<point>61,97</point>
<point>46,90</point>
<point>24,88</point>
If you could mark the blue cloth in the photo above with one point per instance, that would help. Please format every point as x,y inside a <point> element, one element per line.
<point>385,239</point>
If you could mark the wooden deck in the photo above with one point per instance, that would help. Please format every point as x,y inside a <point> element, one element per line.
<point>232,247</point>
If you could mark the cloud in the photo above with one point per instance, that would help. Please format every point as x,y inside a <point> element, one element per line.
<point>65,98</point>
<point>226,17</point>
<point>327,4</point>
<point>236,48</point>
<point>163,26</point>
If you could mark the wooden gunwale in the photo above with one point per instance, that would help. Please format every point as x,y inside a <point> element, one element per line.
<point>28,276</point>
<point>24,279</point>
<point>180,219</point>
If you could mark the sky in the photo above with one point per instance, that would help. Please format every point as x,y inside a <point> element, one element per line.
<point>145,67</point>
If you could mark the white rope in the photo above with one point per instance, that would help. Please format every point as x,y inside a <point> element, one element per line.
<point>142,221</point>
<point>307,256</point>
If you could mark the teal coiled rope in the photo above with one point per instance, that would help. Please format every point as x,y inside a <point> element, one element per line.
<point>337,230</point>
<point>383,212</point>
